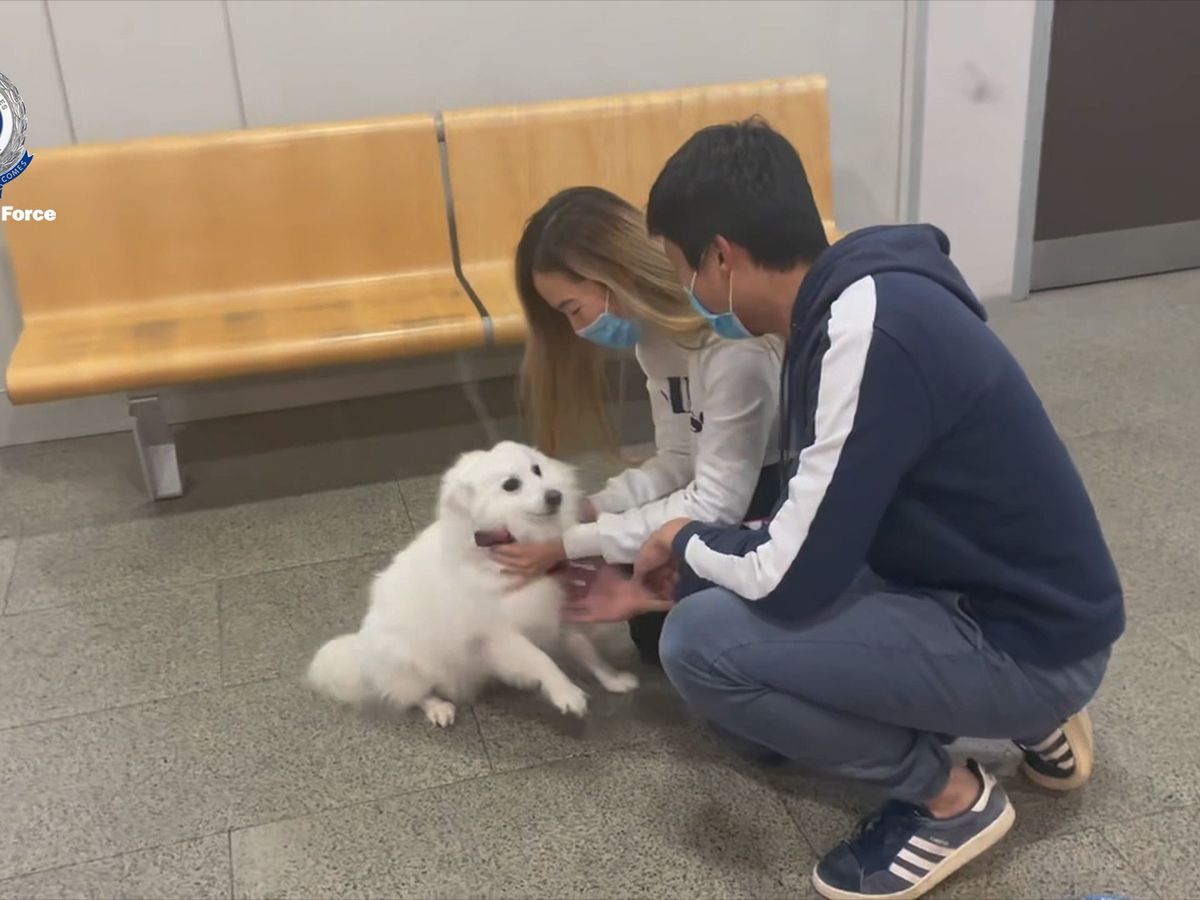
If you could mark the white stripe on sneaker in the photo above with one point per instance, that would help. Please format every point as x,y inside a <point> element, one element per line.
<point>1059,752</point>
<point>986,794</point>
<point>1048,742</point>
<point>930,847</point>
<point>916,862</point>
<point>1066,764</point>
<point>901,872</point>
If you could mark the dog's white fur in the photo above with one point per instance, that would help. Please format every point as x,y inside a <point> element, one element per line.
<point>444,619</point>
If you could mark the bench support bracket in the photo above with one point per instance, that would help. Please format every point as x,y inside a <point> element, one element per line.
<point>156,448</point>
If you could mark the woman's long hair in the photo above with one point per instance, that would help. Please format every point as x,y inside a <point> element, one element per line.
<point>589,234</point>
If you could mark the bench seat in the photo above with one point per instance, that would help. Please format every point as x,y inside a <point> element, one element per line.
<point>190,339</point>
<point>180,260</point>
<point>505,162</point>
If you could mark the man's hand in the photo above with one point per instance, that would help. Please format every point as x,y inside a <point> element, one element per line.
<point>656,552</point>
<point>605,595</point>
<point>529,560</point>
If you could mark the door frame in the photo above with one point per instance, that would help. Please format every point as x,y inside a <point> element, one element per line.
<point>1031,162</point>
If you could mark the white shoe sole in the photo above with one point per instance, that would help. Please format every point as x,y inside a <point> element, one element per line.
<point>1078,731</point>
<point>976,846</point>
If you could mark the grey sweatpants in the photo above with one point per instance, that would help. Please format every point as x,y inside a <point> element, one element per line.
<point>872,689</point>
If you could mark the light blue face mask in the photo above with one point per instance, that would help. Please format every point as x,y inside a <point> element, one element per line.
<point>611,331</point>
<point>726,324</point>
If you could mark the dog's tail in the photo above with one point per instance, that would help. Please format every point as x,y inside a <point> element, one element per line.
<point>336,670</point>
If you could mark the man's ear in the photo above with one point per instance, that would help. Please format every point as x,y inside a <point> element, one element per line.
<point>723,252</point>
<point>457,491</point>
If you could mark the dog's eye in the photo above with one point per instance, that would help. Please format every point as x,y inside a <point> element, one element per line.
<point>513,484</point>
<point>537,470</point>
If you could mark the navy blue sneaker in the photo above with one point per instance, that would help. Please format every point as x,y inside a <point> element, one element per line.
<point>1063,760</point>
<point>901,851</point>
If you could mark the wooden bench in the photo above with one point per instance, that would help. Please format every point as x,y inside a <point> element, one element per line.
<point>181,260</point>
<point>505,162</point>
<point>188,259</point>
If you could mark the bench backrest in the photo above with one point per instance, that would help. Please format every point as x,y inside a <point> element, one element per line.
<point>506,161</point>
<point>230,212</point>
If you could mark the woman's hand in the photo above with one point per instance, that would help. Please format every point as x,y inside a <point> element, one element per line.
<point>529,559</point>
<point>606,595</point>
<point>656,552</point>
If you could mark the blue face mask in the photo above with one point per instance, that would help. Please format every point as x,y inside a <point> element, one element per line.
<point>726,324</point>
<point>611,331</point>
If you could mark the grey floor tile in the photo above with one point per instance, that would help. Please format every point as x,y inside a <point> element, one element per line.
<point>825,810</point>
<point>420,499</point>
<point>106,560</point>
<point>1146,732</point>
<point>10,523</point>
<point>1068,867</point>
<point>1146,718</point>
<point>93,656</point>
<point>224,462</point>
<point>68,483</point>
<point>521,729</point>
<point>1162,847</point>
<point>1162,589</point>
<point>272,623</point>
<point>115,781</point>
<point>631,823</point>
<point>1142,482</point>
<point>1106,356</point>
<point>192,870</point>
<point>8,557</point>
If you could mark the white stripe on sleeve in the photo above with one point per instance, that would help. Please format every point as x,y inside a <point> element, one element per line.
<point>758,573</point>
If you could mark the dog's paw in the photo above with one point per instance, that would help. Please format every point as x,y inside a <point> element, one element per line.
<point>569,700</point>
<point>618,682</point>
<point>439,712</point>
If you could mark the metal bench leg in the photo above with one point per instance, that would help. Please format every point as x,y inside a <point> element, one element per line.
<point>156,448</point>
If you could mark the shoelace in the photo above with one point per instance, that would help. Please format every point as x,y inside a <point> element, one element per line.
<point>879,830</point>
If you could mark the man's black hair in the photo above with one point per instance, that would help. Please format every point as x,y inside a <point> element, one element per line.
<point>745,182</point>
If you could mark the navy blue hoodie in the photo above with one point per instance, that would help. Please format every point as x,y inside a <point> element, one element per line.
<point>916,445</point>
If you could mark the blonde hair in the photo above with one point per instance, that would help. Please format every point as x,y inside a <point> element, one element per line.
<point>589,234</point>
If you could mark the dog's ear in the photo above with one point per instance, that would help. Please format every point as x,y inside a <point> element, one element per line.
<point>457,491</point>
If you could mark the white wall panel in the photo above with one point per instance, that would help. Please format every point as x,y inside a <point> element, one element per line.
<point>135,68</point>
<point>328,60</point>
<point>27,58</point>
<point>976,103</point>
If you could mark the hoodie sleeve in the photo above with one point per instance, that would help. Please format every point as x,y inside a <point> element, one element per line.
<point>739,381</point>
<point>667,470</point>
<point>871,420</point>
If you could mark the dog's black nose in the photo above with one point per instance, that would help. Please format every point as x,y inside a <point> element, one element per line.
<point>554,499</point>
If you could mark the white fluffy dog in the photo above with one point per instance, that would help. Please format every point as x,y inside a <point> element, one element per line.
<point>444,620</point>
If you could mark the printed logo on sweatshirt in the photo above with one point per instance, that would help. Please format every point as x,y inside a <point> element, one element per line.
<point>679,395</point>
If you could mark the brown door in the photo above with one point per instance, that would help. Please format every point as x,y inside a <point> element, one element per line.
<point>1119,184</point>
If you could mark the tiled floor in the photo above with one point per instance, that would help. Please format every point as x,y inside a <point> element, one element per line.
<point>156,740</point>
